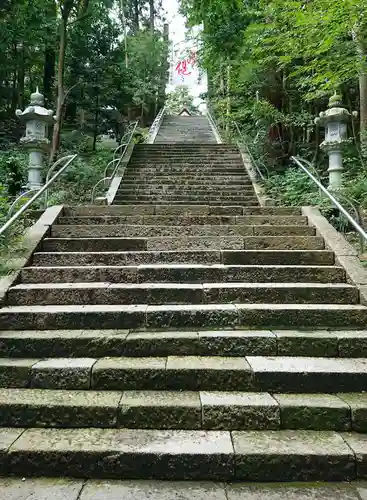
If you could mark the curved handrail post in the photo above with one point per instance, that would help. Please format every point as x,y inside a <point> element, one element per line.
<point>52,168</point>
<point>129,135</point>
<point>39,193</point>
<point>357,227</point>
<point>15,202</point>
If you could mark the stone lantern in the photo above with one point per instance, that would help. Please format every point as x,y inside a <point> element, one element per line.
<point>37,119</point>
<point>335,121</point>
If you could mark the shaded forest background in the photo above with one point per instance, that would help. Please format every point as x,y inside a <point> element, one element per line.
<point>99,63</point>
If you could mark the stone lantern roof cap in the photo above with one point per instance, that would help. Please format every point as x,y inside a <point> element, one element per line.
<point>37,99</point>
<point>336,111</point>
<point>36,110</point>
<point>336,100</point>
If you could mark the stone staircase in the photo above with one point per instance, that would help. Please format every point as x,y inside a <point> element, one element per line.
<point>205,174</point>
<point>183,336</point>
<point>185,129</point>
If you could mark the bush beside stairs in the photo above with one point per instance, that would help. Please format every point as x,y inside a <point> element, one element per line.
<point>183,333</point>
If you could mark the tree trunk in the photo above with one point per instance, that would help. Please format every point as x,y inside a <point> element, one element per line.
<point>60,90</point>
<point>14,99</point>
<point>21,74</point>
<point>361,50</point>
<point>136,15</point>
<point>363,112</point>
<point>49,73</point>
<point>151,15</point>
<point>96,116</point>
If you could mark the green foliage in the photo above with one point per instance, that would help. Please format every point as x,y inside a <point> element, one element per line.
<point>293,187</point>
<point>12,171</point>
<point>115,70</point>
<point>75,186</point>
<point>180,98</point>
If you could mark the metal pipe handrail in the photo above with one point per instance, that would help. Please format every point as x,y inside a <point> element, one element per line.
<point>15,202</point>
<point>96,185</point>
<point>356,226</point>
<point>155,126</point>
<point>261,175</point>
<point>39,193</point>
<point>129,134</point>
<point>214,125</point>
<point>108,165</point>
<point>50,170</point>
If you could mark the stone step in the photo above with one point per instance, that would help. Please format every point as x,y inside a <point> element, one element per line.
<point>181,293</point>
<point>40,488</point>
<point>279,374</point>
<point>103,242</point>
<point>207,316</point>
<point>188,220</point>
<point>193,154</point>
<point>182,211</point>
<point>208,257</point>
<point>100,244</point>
<point>189,410</point>
<point>230,343</point>
<point>150,231</point>
<point>163,201</point>
<point>218,148</point>
<point>182,180</point>
<point>189,273</point>
<point>124,193</point>
<point>186,170</point>
<point>246,195</point>
<point>203,164</point>
<point>174,190</point>
<point>286,455</point>
<point>189,182</point>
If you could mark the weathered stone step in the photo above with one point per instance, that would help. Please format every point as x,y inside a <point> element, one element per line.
<point>140,181</point>
<point>182,410</point>
<point>163,201</point>
<point>221,199</point>
<point>182,211</point>
<point>183,274</point>
<point>181,293</point>
<point>188,155</point>
<point>189,182</point>
<point>184,147</point>
<point>227,257</point>
<point>185,170</point>
<point>183,220</point>
<point>170,454</point>
<point>150,231</point>
<point>163,193</point>
<point>90,242</point>
<point>100,244</point>
<point>189,373</point>
<point>175,190</point>
<point>184,490</point>
<point>189,220</point>
<point>183,316</point>
<point>181,180</point>
<point>102,343</point>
